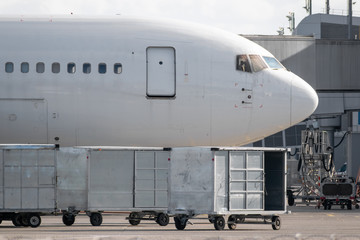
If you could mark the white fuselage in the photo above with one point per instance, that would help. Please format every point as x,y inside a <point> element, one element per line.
<point>178,85</point>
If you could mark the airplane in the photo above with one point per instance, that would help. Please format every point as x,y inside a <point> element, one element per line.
<point>124,81</point>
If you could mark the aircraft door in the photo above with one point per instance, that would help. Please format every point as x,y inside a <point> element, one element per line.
<point>160,70</point>
<point>23,120</point>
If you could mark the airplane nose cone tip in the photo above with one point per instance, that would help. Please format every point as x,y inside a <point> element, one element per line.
<point>304,101</point>
<point>315,100</point>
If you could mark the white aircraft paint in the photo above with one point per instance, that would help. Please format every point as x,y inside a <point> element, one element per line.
<point>179,85</point>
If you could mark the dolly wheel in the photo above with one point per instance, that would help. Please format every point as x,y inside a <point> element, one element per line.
<point>96,219</point>
<point>68,219</point>
<point>16,220</point>
<point>276,223</point>
<point>34,220</point>
<point>232,222</point>
<point>25,220</point>
<point>180,222</point>
<point>291,199</point>
<point>219,223</point>
<point>162,219</point>
<point>134,218</point>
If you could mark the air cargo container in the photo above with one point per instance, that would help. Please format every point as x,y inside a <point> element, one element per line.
<point>40,180</point>
<point>149,183</point>
<point>239,183</point>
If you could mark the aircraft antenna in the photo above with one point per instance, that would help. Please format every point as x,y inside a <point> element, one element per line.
<point>291,18</point>
<point>308,6</point>
<point>327,6</point>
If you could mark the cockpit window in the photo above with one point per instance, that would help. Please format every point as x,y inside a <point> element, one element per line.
<point>257,63</point>
<point>273,63</point>
<point>242,63</point>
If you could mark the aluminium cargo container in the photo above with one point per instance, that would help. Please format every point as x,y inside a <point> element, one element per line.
<point>150,183</point>
<point>241,183</point>
<point>40,180</point>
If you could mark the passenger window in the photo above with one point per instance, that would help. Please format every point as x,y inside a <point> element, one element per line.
<point>102,68</point>
<point>24,67</point>
<point>242,63</point>
<point>9,67</point>
<point>55,67</point>
<point>71,68</point>
<point>87,68</point>
<point>257,63</point>
<point>40,67</point>
<point>117,68</point>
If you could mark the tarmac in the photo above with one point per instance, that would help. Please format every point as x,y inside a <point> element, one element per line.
<point>302,222</point>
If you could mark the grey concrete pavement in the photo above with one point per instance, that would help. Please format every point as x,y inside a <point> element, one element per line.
<point>303,223</point>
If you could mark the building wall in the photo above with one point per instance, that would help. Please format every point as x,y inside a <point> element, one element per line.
<point>327,65</point>
<point>337,65</point>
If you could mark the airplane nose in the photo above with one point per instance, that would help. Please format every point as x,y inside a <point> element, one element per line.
<point>304,100</point>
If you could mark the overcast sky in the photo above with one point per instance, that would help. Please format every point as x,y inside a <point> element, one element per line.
<point>238,16</point>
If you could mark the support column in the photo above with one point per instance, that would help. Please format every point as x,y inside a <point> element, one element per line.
<point>350,171</point>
